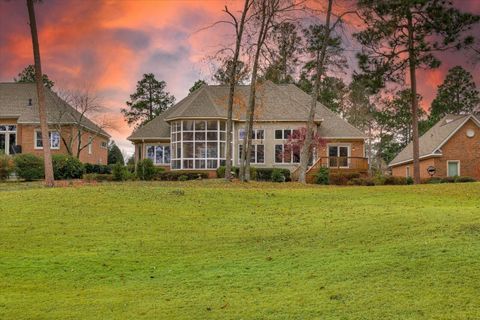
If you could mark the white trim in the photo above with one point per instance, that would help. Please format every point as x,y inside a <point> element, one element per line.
<point>36,147</point>
<point>456,130</point>
<point>69,123</point>
<point>453,161</point>
<point>348,145</point>
<point>411,160</point>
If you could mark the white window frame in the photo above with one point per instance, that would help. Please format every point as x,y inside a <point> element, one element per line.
<point>241,134</point>
<point>458,166</point>
<point>407,171</point>
<point>255,152</point>
<point>283,134</point>
<point>338,145</point>
<point>35,139</point>
<point>283,156</point>
<point>90,143</point>
<point>7,133</point>
<point>164,163</point>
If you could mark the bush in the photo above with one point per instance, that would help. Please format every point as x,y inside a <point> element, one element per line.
<point>361,182</point>
<point>6,166</point>
<point>67,167</point>
<point>120,172</point>
<point>145,169</point>
<point>99,177</point>
<point>236,172</point>
<point>394,181</point>
<point>342,179</point>
<point>278,175</point>
<point>409,180</point>
<point>29,167</point>
<point>182,175</point>
<point>465,179</point>
<point>322,176</point>
<point>98,168</point>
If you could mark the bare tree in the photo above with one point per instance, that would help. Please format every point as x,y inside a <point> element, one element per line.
<point>75,109</point>
<point>49,179</point>
<point>266,13</point>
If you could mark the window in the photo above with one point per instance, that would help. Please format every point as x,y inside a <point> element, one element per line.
<point>90,143</point>
<point>8,138</point>
<point>54,137</point>
<point>158,154</point>
<point>104,144</point>
<point>287,154</point>
<point>453,168</point>
<point>407,172</point>
<point>257,134</point>
<point>257,154</point>
<point>338,156</point>
<point>198,144</point>
<point>283,134</point>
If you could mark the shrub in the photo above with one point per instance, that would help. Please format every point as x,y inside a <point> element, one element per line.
<point>433,180</point>
<point>99,177</point>
<point>98,168</point>
<point>6,166</point>
<point>277,175</point>
<point>29,167</point>
<point>67,167</point>
<point>183,177</point>
<point>236,172</point>
<point>395,181</point>
<point>361,182</point>
<point>342,179</point>
<point>145,169</point>
<point>120,172</point>
<point>322,176</point>
<point>464,179</point>
<point>409,180</point>
<point>175,175</point>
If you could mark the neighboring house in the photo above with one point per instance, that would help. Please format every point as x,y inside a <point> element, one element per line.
<point>451,147</point>
<point>191,135</point>
<point>20,125</point>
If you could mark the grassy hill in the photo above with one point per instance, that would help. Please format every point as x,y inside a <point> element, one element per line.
<point>212,250</point>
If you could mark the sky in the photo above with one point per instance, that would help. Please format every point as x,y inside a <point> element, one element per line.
<point>108,45</point>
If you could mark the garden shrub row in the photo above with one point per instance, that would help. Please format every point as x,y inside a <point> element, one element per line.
<point>260,174</point>
<point>98,168</point>
<point>457,179</point>
<point>324,176</point>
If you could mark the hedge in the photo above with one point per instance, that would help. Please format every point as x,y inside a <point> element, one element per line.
<point>98,168</point>
<point>182,175</point>
<point>67,167</point>
<point>28,167</point>
<point>260,174</point>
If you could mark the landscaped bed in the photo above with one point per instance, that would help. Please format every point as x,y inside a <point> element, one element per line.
<point>216,250</point>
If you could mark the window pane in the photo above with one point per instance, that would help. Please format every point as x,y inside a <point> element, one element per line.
<point>211,150</point>
<point>223,136</point>
<point>187,164</point>
<point>286,133</point>
<point>3,128</point>
<point>241,134</point>
<point>12,128</point>
<point>200,164</point>
<point>200,136</point>
<point>343,151</point>
<point>188,150</point>
<point>260,154</point>
<point>278,153</point>
<point>333,151</point>
<point>179,150</point>
<point>174,137</point>
<point>222,125</point>
<point>55,140</point>
<point>187,125</point>
<point>38,139</point>
<point>151,153</point>
<point>212,125</point>
<point>199,125</point>
<point>200,150</point>
<point>222,149</point>
<point>252,154</point>
<point>158,154</point>
<point>166,154</point>
<point>176,164</point>
<point>212,136</point>
<point>296,154</point>
<point>287,154</point>
<point>260,134</point>
<point>278,134</point>
<point>211,164</point>
<point>187,136</point>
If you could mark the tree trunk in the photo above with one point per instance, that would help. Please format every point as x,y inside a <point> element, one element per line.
<point>413,85</point>
<point>320,60</point>
<point>42,112</point>
<point>231,93</point>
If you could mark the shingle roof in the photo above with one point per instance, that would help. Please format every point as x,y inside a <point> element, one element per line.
<point>433,138</point>
<point>14,99</point>
<point>274,103</point>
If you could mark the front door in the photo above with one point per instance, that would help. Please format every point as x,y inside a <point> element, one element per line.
<point>338,156</point>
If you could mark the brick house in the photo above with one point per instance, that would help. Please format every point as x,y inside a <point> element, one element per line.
<point>451,147</point>
<point>20,126</point>
<point>191,135</point>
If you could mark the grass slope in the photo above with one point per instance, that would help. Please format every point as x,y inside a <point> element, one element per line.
<point>210,250</point>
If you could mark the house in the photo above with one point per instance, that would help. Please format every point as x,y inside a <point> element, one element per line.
<point>450,148</point>
<point>191,135</point>
<point>20,125</point>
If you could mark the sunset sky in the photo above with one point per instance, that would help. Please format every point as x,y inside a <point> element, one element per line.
<point>108,45</point>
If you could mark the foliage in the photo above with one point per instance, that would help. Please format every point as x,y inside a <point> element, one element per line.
<point>7,166</point>
<point>277,175</point>
<point>222,75</point>
<point>120,172</point>
<point>98,177</point>
<point>29,167</point>
<point>182,175</point>
<point>457,179</point>
<point>67,167</point>
<point>272,174</point>
<point>148,101</point>
<point>97,168</point>
<point>323,176</point>
<point>236,170</point>
<point>457,94</point>
<point>28,75</point>
<point>196,86</point>
<point>322,246</point>
<point>341,178</point>
<point>145,169</point>
<point>114,154</point>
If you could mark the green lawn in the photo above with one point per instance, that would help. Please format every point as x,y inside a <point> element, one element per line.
<point>213,250</point>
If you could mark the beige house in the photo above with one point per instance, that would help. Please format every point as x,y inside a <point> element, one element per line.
<point>191,135</point>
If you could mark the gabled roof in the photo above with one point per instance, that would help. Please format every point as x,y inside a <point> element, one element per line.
<point>435,138</point>
<point>14,99</point>
<point>274,102</point>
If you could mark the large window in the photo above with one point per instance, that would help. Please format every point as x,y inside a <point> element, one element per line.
<point>257,134</point>
<point>54,137</point>
<point>158,154</point>
<point>198,144</point>
<point>8,138</point>
<point>338,156</point>
<point>257,154</point>
<point>287,154</point>
<point>284,134</point>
